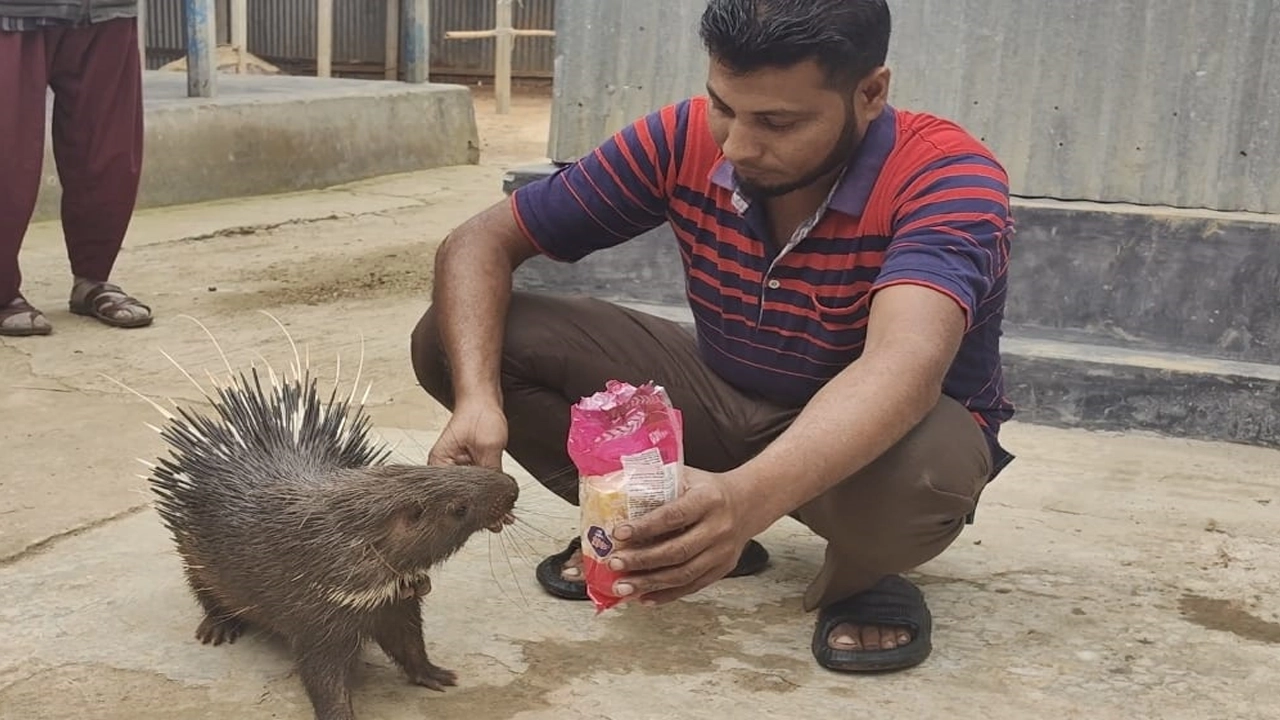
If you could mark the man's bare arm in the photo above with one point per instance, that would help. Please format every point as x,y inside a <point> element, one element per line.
<point>913,335</point>
<point>473,270</point>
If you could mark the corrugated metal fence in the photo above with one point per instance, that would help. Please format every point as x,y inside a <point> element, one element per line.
<point>1161,102</point>
<point>282,32</point>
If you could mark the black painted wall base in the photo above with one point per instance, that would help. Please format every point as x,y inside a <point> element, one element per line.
<point>1117,319</point>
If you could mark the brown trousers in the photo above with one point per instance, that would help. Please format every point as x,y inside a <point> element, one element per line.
<point>95,75</point>
<point>897,513</point>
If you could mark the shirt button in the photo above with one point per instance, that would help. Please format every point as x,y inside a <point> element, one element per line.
<point>774,284</point>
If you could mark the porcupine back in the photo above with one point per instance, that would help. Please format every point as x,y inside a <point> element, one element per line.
<point>264,447</point>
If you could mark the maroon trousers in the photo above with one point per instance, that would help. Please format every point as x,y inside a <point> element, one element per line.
<point>95,74</point>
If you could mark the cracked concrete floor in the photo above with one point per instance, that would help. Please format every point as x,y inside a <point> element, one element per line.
<point>1107,577</point>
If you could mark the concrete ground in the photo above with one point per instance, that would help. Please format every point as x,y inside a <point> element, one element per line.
<point>1108,576</point>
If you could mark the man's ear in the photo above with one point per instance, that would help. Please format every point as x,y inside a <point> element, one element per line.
<point>405,515</point>
<point>872,93</point>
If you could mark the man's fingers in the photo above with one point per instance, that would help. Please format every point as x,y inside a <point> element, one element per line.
<point>664,519</point>
<point>680,576</point>
<point>662,597</point>
<point>490,458</point>
<point>677,550</point>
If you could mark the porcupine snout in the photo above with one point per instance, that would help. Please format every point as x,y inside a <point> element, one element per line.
<point>495,496</point>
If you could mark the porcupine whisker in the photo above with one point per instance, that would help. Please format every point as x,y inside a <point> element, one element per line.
<point>493,574</point>
<point>517,531</point>
<point>515,577</point>
<point>525,524</point>
<point>513,543</point>
<point>511,567</point>
<point>523,547</point>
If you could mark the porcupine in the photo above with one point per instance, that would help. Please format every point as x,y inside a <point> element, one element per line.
<point>288,518</point>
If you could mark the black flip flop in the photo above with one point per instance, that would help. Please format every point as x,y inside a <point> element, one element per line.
<point>892,602</point>
<point>754,558</point>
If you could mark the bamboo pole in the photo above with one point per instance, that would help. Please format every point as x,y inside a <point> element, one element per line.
<point>324,38</point>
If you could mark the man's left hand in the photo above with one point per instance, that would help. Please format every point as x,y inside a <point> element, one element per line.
<point>685,545</point>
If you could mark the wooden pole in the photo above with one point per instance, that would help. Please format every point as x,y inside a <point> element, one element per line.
<point>240,33</point>
<point>504,46</point>
<point>504,35</point>
<point>391,68</point>
<point>324,38</point>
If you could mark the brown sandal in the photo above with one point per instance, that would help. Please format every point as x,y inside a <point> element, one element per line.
<point>104,300</point>
<point>36,323</point>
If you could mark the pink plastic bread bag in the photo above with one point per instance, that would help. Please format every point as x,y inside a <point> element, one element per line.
<point>628,445</point>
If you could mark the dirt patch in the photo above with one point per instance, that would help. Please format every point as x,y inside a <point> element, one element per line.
<point>382,272</point>
<point>1225,615</point>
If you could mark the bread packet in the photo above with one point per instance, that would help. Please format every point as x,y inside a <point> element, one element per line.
<point>628,445</point>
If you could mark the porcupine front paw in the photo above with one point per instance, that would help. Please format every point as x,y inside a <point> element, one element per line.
<point>218,629</point>
<point>399,633</point>
<point>433,676</point>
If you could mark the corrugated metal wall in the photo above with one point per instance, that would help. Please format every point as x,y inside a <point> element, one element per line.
<point>283,32</point>
<point>1165,102</point>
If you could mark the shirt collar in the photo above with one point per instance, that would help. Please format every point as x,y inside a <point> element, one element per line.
<point>855,184</point>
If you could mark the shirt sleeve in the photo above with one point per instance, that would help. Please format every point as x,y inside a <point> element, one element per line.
<point>610,195</point>
<point>951,231</point>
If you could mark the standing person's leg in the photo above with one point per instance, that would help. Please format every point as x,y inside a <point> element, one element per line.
<point>23,84</point>
<point>96,76</point>
<point>557,350</point>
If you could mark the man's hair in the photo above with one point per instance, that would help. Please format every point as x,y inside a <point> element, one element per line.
<point>847,38</point>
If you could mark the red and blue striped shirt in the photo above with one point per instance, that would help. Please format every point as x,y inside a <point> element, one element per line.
<point>922,202</point>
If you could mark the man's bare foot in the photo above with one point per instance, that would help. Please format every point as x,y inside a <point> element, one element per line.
<point>572,568</point>
<point>887,626</point>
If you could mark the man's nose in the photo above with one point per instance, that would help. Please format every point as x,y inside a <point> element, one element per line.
<point>740,145</point>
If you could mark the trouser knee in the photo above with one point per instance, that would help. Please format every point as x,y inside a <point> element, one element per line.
<point>430,363</point>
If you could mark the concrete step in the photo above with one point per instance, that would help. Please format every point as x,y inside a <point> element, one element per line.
<point>1060,383</point>
<point>1064,367</point>
<point>267,134</point>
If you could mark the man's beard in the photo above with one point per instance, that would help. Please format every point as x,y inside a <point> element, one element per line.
<point>839,155</point>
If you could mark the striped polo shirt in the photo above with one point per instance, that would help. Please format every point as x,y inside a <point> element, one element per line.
<point>921,202</point>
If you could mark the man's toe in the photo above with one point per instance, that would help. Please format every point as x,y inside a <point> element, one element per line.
<point>845,637</point>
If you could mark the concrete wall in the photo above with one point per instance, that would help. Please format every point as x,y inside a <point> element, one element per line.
<point>271,134</point>
<point>1144,101</point>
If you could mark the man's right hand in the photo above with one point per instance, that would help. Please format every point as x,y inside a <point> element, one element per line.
<point>474,435</point>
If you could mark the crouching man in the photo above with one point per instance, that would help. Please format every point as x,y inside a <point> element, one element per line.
<point>846,269</point>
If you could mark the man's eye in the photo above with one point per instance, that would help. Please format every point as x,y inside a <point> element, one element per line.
<point>777,126</point>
